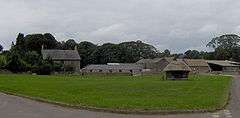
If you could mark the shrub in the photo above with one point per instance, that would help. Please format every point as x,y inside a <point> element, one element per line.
<point>44,69</point>
<point>3,61</point>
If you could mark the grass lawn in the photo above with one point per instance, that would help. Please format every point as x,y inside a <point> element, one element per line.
<point>123,92</point>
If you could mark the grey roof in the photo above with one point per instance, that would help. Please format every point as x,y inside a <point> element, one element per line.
<point>177,66</point>
<point>144,61</point>
<point>113,67</point>
<point>196,62</point>
<point>223,63</point>
<point>61,54</point>
<point>155,60</point>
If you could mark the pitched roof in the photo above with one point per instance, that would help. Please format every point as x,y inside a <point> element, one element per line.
<point>169,59</point>
<point>177,66</point>
<point>196,62</point>
<point>223,63</point>
<point>61,54</point>
<point>113,67</point>
<point>144,61</point>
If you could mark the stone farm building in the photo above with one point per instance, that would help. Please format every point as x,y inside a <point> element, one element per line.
<point>177,70</point>
<point>69,58</point>
<point>132,69</point>
<point>198,65</point>
<point>156,64</point>
<point>224,66</point>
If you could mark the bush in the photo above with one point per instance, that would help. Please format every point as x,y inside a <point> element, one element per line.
<point>15,63</point>
<point>3,61</point>
<point>58,67</point>
<point>44,69</point>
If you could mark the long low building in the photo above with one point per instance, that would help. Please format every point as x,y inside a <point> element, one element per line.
<point>224,66</point>
<point>132,69</point>
<point>198,65</point>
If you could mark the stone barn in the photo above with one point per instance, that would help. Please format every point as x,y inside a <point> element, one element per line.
<point>177,70</point>
<point>224,66</point>
<point>156,64</point>
<point>69,58</point>
<point>198,65</point>
<point>132,69</point>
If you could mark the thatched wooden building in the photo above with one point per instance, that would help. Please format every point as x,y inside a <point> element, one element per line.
<point>177,70</point>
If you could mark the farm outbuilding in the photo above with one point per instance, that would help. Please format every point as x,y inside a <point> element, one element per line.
<point>156,64</point>
<point>177,70</point>
<point>224,66</point>
<point>132,69</point>
<point>198,65</point>
<point>69,58</point>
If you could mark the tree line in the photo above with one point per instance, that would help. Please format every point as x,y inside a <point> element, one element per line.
<point>25,53</point>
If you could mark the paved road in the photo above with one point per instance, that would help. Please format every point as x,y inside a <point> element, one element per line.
<point>17,107</point>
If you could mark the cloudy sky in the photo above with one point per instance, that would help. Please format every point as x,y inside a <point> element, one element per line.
<point>174,24</point>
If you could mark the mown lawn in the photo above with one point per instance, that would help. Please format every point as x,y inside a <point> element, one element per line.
<point>123,92</point>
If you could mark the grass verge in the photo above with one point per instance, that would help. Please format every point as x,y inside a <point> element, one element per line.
<point>123,93</point>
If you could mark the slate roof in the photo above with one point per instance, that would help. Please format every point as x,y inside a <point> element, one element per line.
<point>225,63</point>
<point>196,62</point>
<point>144,61</point>
<point>113,67</point>
<point>155,60</point>
<point>177,66</point>
<point>69,55</point>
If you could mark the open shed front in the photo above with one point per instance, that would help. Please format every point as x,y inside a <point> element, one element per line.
<point>177,75</point>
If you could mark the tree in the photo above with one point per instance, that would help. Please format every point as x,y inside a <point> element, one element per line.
<point>227,41</point>
<point>1,48</point>
<point>15,63</point>
<point>85,50</point>
<point>192,54</point>
<point>34,42</point>
<point>69,45</point>
<point>134,51</point>
<point>225,46</point>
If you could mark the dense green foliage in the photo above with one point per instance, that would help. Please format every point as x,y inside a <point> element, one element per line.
<point>124,92</point>
<point>226,47</point>
<point>27,51</point>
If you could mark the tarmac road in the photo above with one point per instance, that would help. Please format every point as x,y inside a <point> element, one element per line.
<point>17,107</point>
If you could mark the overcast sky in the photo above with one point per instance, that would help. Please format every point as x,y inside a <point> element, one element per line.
<point>174,24</point>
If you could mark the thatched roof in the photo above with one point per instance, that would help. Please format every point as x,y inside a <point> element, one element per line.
<point>177,66</point>
<point>61,55</point>
<point>225,63</point>
<point>196,62</point>
<point>113,67</point>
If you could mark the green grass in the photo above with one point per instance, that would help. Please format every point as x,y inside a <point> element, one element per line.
<point>123,92</point>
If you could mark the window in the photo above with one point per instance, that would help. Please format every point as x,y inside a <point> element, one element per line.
<point>120,71</point>
<point>91,70</point>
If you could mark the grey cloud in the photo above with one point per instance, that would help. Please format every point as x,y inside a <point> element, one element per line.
<point>174,24</point>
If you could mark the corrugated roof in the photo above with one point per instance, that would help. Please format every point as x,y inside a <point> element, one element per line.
<point>196,62</point>
<point>113,67</point>
<point>177,66</point>
<point>61,54</point>
<point>223,63</point>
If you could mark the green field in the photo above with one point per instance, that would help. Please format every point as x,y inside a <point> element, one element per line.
<point>123,92</point>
